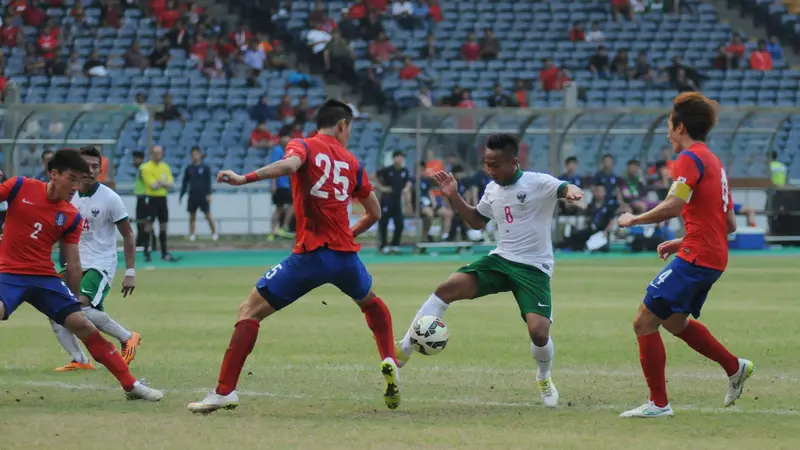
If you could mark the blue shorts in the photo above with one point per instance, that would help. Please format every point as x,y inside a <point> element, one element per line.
<point>681,288</point>
<point>300,273</point>
<point>48,294</point>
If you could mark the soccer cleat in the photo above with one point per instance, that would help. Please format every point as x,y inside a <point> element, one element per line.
<point>549,392</point>
<point>75,365</point>
<point>213,402</point>
<point>736,381</point>
<point>143,392</point>
<point>391,374</point>
<point>399,354</point>
<point>192,238</point>
<point>649,410</point>
<point>215,237</point>
<point>130,346</point>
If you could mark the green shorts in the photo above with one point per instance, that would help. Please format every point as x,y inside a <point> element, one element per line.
<point>530,286</point>
<point>94,285</point>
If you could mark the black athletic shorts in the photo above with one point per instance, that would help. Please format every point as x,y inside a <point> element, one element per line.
<point>196,203</point>
<point>157,209</point>
<point>282,197</point>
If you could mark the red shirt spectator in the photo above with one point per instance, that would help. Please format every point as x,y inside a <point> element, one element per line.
<point>562,79</point>
<point>409,70</point>
<point>521,94</point>
<point>381,48</point>
<point>240,36</point>
<point>357,11</point>
<point>297,132</point>
<point>435,11</point>
<point>48,42</point>
<point>17,6</point>
<point>200,48</point>
<point>285,109</point>
<point>10,35</point>
<point>761,60</point>
<point>261,134</point>
<point>549,76</point>
<point>168,17</point>
<point>34,16</point>
<point>471,50</point>
<point>737,47</point>
<point>378,5</point>
<point>157,6</point>
<point>225,48</point>
<point>576,34</point>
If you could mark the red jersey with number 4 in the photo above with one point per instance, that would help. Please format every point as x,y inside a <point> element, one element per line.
<point>33,226</point>
<point>321,190</point>
<point>706,213</point>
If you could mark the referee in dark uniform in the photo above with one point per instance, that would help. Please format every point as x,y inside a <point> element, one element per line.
<point>394,182</point>
<point>197,181</point>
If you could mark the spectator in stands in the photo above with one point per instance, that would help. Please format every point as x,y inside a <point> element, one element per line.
<point>724,60</point>
<point>409,71</point>
<point>466,100</point>
<point>430,50</point>
<point>605,176</point>
<point>632,189</point>
<point>499,99</point>
<point>241,36</point>
<point>193,12</point>
<point>620,65</point>
<point>548,76</point>
<point>471,50</point>
<point>350,18</point>
<point>736,51</point>
<point>774,48</point>
<point>521,89</point>
<point>403,13</point>
<point>170,111</point>
<point>199,48</point>
<point>394,184</point>
<point>691,74</point>
<point>142,115</point>
<point>422,14</point>
<point>170,15</point>
<point>760,58</point>
<point>563,79</point>
<point>110,14</point>
<point>254,57</point>
<point>317,40</point>
<point>643,70</point>
<point>285,109</point>
<point>661,181</point>
<point>260,111</point>
<point>281,191</point>
<point>424,97</point>
<point>44,175</point>
<point>599,216</point>
<point>571,176</point>
<point>576,33</point>
<point>160,56</point>
<point>49,42</point>
<point>212,65</point>
<point>372,85</point>
<point>620,8</point>
<point>260,137</point>
<point>178,36</point>
<point>34,15</point>
<point>319,15</point>
<point>490,45</point>
<point>33,62</point>
<point>10,34</point>
<point>595,35</point>
<point>94,67</point>
<point>683,83</point>
<point>340,59</point>
<point>599,64</point>
<point>371,27</point>
<point>639,6</point>
<point>435,11</point>
<point>665,161</point>
<point>382,49</point>
<point>303,113</point>
<point>80,25</point>
<point>134,57</point>
<point>656,6</point>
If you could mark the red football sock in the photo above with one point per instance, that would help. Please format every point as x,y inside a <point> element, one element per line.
<point>379,320</point>
<point>697,336</point>
<point>242,343</point>
<point>653,357</point>
<point>106,354</point>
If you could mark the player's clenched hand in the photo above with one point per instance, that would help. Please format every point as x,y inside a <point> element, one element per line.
<point>626,220</point>
<point>230,177</point>
<point>573,194</point>
<point>667,248</point>
<point>447,182</point>
<point>128,285</point>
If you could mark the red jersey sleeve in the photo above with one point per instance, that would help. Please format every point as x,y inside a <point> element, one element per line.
<point>687,169</point>
<point>9,189</point>
<point>299,148</point>
<point>363,186</point>
<point>72,235</point>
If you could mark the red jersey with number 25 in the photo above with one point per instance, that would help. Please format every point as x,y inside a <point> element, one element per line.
<point>321,191</point>
<point>705,215</point>
<point>33,225</point>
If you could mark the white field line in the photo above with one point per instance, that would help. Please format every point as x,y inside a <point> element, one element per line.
<point>456,401</point>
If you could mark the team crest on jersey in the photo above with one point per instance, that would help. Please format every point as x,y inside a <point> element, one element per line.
<point>95,212</point>
<point>521,196</point>
<point>61,218</point>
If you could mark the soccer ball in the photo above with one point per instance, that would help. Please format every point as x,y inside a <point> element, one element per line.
<point>429,335</point>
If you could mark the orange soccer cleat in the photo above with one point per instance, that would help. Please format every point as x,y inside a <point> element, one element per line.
<point>75,365</point>
<point>130,346</point>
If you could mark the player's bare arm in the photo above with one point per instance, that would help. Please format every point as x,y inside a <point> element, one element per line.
<point>286,166</point>
<point>468,213</point>
<point>372,214</point>
<point>129,246</point>
<point>668,209</point>
<point>73,269</point>
<point>731,220</point>
<point>572,194</point>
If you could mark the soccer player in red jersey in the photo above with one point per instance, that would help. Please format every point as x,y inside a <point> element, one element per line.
<point>39,216</point>
<point>701,196</point>
<point>325,176</point>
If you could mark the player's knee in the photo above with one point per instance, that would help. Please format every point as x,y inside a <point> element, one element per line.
<point>85,302</point>
<point>458,286</point>
<point>255,307</point>
<point>79,325</point>
<point>645,323</point>
<point>538,329</point>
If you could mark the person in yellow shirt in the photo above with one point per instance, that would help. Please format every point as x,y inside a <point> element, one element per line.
<point>157,178</point>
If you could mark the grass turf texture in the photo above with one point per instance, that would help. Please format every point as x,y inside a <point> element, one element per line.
<point>313,379</point>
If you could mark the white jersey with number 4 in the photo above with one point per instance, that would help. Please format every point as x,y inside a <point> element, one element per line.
<point>101,209</point>
<point>523,212</point>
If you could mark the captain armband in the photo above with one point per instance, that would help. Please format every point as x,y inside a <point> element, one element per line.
<point>681,190</point>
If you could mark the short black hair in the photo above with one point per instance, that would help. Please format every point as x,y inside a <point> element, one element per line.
<point>608,155</point>
<point>697,113</point>
<point>45,153</point>
<point>138,154</point>
<point>285,131</point>
<point>332,112</point>
<point>68,159</point>
<point>773,155</point>
<point>397,153</point>
<point>633,162</point>
<point>91,150</point>
<point>195,149</point>
<point>570,159</point>
<point>503,142</point>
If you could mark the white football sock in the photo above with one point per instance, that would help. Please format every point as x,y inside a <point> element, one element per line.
<point>544,358</point>
<point>70,343</point>
<point>434,306</point>
<point>106,324</point>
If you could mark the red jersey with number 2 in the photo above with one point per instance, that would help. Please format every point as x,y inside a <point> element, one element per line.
<point>321,191</point>
<point>705,215</point>
<point>33,226</point>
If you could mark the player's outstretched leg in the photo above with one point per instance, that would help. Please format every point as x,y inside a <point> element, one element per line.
<point>542,351</point>
<point>129,340</point>
<point>458,286</point>
<point>379,320</point>
<point>697,336</point>
<point>70,343</point>
<point>653,357</point>
<point>251,313</point>
<point>106,354</point>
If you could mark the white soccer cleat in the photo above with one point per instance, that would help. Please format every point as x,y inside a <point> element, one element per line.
<point>192,238</point>
<point>215,237</point>
<point>400,354</point>
<point>143,392</point>
<point>549,392</point>
<point>649,410</point>
<point>736,381</point>
<point>213,402</point>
